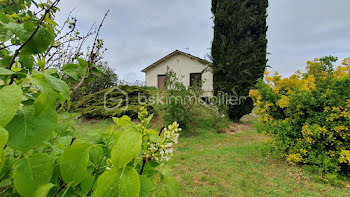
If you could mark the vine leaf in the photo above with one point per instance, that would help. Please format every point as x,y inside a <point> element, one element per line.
<point>118,183</point>
<point>27,130</point>
<point>126,147</point>
<point>74,162</point>
<point>31,173</point>
<point>10,99</point>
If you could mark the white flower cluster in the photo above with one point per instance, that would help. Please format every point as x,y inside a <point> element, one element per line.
<point>162,152</point>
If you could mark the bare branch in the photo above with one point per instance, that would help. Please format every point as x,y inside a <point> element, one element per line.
<point>92,55</point>
<point>5,47</point>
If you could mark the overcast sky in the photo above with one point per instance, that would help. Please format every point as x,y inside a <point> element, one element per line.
<point>139,32</point>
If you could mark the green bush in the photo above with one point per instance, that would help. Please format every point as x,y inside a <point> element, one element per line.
<point>93,105</point>
<point>177,101</point>
<point>308,115</point>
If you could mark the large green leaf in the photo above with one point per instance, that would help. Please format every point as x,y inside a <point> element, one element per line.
<point>126,148</point>
<point>147,186</point>
<point>5,34</point>
<point>18,30</point>
<point>26,60</point>
<point>96,153</point>
<point>43,190</point>
<point>41,41</point>
<point>4,135</point>
<point>4,71</point>
<point>32,172</point>
<point>124,123</point>
<point>28,130</point>
<point>74,70</point>
<point>48,96</point>
<point>58,85</point>
<point>10,98</point>
<point>86,184</point>
<point>118,183</point>
<point>74,162</point>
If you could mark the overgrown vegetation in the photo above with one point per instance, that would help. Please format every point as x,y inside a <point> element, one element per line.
<point>107,78</point>
<point>113,102</point>
<point>308,115</point>
<point>212,164</point>
<point>185,105</point>
<point>238,50</point>
<point>41,154</point>
<point>177,102</point>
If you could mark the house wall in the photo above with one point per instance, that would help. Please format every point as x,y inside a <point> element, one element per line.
<point>182,65</point>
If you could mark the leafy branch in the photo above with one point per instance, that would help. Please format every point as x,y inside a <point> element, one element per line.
<point>47,11</point>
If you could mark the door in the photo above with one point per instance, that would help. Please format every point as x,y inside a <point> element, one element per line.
<point>161,82</point>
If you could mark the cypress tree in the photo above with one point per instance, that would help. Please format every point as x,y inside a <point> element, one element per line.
<point>239,50</point>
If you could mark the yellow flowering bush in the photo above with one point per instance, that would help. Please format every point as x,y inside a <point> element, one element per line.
<point>308,114</point>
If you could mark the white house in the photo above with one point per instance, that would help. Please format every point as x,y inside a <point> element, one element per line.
<point>187,67</point>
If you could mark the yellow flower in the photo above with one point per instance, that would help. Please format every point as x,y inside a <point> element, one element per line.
<point>309,83</point>
<point>283,102</point>
<point>303,151</point>
<point>323,129</point>
<point>294,158</point>
<point>345,156</point>
<point>338,129</point>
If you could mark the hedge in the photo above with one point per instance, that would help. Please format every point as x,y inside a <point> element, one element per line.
<point>93,105</point>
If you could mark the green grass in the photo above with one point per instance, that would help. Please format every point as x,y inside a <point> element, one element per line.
<point>212,164</point>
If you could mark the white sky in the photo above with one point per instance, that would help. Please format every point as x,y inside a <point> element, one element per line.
<point>139,32</point>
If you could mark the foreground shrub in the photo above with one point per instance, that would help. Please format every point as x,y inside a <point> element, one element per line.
<point>94,105</point>
<point>308,115</point>
<point>40,152</point>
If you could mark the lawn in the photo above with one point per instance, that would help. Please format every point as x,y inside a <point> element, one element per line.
<point>237,164</point>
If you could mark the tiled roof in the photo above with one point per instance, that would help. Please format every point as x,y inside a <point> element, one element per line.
<point>172,54</point>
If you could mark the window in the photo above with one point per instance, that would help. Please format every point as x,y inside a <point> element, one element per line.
<point>195,79</point>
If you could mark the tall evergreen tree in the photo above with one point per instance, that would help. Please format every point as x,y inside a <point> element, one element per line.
<point>239,49</point>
